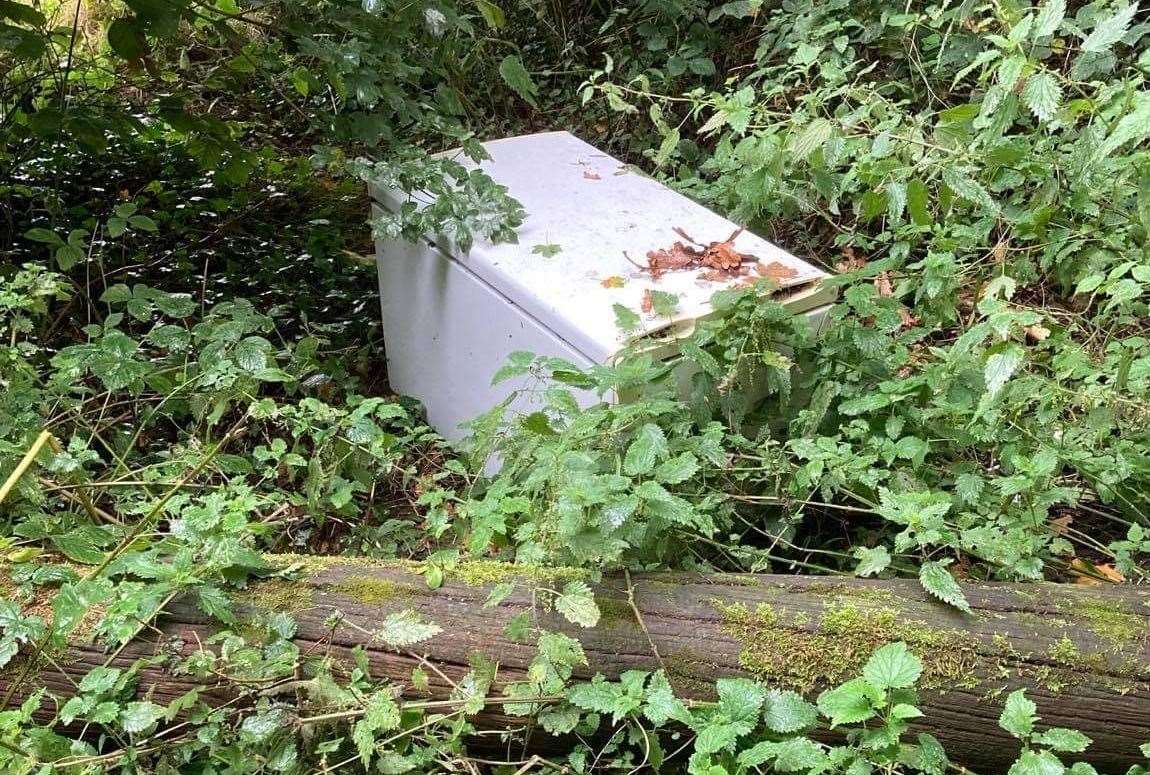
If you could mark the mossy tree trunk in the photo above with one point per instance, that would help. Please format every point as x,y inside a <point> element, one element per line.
<point>1082,653</point>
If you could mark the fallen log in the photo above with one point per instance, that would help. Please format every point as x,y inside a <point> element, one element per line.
<point>1082,653</point>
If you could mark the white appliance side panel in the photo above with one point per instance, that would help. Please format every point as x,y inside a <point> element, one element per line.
<point>447,332</point>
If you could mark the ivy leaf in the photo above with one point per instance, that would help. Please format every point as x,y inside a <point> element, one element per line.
<point>515,75</point>
<point>648,447</point>
<point>577,604</point>
<point>1042,95</point>
<point>937,581</point>
<point>892,667</point>
<point>872,561</point>
<point>405,628</point>
<point>1110,30</point>
<point>787,712</point>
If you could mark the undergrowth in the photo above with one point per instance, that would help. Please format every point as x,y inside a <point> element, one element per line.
<point>192,383</point>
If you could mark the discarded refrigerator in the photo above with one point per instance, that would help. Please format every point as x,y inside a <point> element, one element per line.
<point>451,318</point>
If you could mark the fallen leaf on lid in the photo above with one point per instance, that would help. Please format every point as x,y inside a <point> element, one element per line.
<point>775,270</point>
<point>614,281</point>
<point>716,255</point>
<point>648,302</point>
<point>591,175</point>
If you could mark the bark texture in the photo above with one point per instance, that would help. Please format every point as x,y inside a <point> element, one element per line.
<point>1082,653</point>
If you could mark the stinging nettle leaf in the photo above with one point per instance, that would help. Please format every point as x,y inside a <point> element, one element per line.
<point>1042,95</point>
<point>1110,30</point>
<point>1049,18</point>
<point>892,667</point>
<point>577,604</point>
<point>1001,363</point>
<point>938,581</point>
<point>515,75</point>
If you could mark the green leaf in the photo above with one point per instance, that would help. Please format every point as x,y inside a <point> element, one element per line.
<point>664,304</point>
<point>405,628</point>
<point>1018,715</point>
<point>892,667</point>
<point>1064,740</point>
<point>1002,361</point>
<point>515,75</point>
<point>547,250</point>
<point>966,187</point>
<point>492,14</point>
<point>661,703</point>
<point>850,703</point>
<point>518,627</point>
<point>1042,95</point>
<point>127,39</point>
<point>626,320</point>
<point>678,469</point>
<point>1037,763</point>
<point>648,447</point>
<point>787,712</point>
<point>937,581</point>
<point>1135,125</point>
<point>380,715</point>
<point>1143,203</point>
<point>143,223</point>
<point>667,147</point>
<point>1049,18</point>
<point>931,756</point>
<point>577,604</point>
<point>740,698</point>
<point>872,561</point>
<point>810,138</point>
<point>47,236</point>
<point>137,717</point>
<point>1110,30</point>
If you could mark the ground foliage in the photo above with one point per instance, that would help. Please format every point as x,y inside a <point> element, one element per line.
<point>191,379</point>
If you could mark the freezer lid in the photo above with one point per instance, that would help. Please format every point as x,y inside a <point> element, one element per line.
<point>597,211</point>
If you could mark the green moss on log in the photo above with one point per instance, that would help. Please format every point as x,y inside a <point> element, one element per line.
<point>807,656</point>
<point>1111,621</point>
<point>377,592</point>
<point>277,596</point>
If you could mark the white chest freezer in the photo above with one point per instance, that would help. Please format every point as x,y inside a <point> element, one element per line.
<point>451,319</point>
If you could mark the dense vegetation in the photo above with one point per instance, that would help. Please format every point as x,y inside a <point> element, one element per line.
<point>190,374</point>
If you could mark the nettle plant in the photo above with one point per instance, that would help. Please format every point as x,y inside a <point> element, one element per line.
<point>989,192</point>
